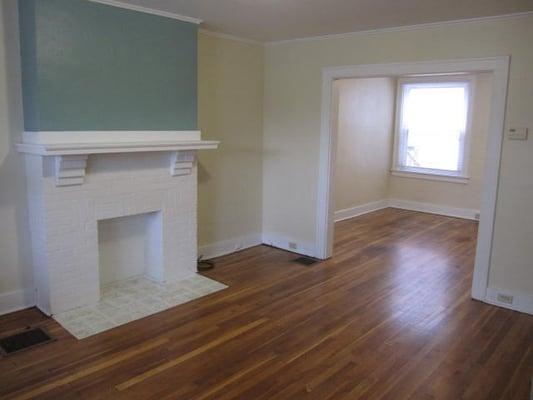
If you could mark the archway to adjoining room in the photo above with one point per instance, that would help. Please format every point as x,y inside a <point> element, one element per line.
<point>404,77</point>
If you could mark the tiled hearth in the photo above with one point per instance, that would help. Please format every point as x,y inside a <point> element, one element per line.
<point>135,298</point>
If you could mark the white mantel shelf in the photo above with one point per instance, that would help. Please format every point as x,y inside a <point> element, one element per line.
<point>108,142</point>
<point>72,149</point>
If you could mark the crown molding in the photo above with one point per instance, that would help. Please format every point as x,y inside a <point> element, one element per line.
<point>402,28</point>
<point>148,10</point>
<point>230,37</point>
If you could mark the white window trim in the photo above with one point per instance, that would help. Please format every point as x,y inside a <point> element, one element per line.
<point>431,176</point>
<point>461,176</point>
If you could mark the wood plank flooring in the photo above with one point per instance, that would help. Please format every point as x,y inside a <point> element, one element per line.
<point>388,317</point>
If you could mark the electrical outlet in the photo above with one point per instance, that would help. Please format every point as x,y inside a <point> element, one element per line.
<point>293,246</point>
<point>505,298</point>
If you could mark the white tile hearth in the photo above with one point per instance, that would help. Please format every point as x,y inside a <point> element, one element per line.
<point>133,299</point>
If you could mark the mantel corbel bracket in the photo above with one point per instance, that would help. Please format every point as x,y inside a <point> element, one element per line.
<point>182,162</point>
<point>70,169</point>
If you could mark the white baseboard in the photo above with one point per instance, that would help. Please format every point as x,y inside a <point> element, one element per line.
<point>465,213</point>
<point>352,212</point>
<point>522,302</point>
<point>229,246</point>
<point>292,245</point>
<point>16,300</point>
<point>348,213</point>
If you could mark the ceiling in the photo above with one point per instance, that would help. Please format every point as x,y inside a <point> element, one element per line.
<point>273,20</point>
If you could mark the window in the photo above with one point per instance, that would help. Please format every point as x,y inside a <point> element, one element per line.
<point>432,126</point>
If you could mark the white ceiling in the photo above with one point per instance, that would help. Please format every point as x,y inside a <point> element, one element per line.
<point>273,20</point>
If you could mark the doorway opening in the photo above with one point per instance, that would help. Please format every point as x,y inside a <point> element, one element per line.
<point>405,149</point>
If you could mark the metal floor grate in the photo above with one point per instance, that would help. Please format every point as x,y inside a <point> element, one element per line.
<point>23,341</point>
<point>307,261</point>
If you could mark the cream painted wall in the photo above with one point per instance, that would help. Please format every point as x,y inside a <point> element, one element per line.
<point>365,131</point>
<point>230,95</point>
<point>292,107</point>
<point>15,254</point>
<point>460,195</point>
<point>364,140</point>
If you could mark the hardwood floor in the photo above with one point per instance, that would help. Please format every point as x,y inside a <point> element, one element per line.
<point>388,317</point>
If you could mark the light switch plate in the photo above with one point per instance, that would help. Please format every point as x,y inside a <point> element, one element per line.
<point>517,133</point>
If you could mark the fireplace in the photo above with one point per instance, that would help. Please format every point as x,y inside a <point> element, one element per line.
<point>129,247</point>
<point>85,189</point>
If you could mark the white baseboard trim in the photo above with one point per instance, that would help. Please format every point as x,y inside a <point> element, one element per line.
<point>16,300</point>
<point>352,212</point>
<point>465,213</point>
<point>292,245</point>
<point>229,246</point>
<point>521,302</point>
<point>431,208</point>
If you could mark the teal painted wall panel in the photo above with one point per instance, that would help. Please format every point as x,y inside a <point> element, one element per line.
<point>89,66</point>
<point>29,65</point>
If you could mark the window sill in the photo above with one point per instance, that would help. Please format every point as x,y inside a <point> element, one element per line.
<point>432,177</point>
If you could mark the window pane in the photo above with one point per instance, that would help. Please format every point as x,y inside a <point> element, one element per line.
<point>434,119</point>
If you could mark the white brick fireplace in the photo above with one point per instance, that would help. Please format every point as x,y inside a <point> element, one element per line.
<point>79,180</point>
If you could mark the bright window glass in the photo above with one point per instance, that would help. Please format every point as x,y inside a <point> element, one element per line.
<point>433,124</point>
